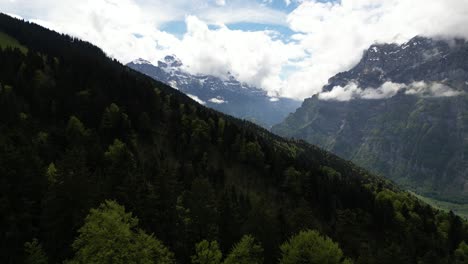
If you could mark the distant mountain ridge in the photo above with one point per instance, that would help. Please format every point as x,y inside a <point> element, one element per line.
<point>414,130</point>
<point>228,96</point>
<point>420,59</point>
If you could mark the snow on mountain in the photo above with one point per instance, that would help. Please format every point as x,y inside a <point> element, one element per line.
<point>226,95</point>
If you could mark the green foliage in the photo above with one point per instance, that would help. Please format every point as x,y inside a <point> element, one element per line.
<point>330,172</point>
<point>116,152</point>
<point>207,252</point>
<point>110,235</point>
<point>460,209</point>
<point>412,143</point>
<point>246,251</point>
<point>111,116</point>
<point>23,116</point>
<point>115,123</point>
<point>51,173</point>
<point>221,126</point>
<point>188,172</point>
<point>203,212</point>
<point>461,253</point>
<point>42,137</point>
<point>7,41</point>
<point>200,131</point>
<point>34,253</point>
<point>76,130</point>
<point>252,153</point>
<point>312,248</point>
<point>293,180</point>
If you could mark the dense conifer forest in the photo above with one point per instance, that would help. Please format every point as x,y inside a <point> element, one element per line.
<point>101,164</point>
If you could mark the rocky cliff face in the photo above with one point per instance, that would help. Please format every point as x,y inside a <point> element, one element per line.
<point>402,111</point>
<point>226,95</point>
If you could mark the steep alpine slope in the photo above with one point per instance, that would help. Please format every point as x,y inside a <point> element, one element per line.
<point>402,112</point>
<point>78,128</point>
<point>228,96</point>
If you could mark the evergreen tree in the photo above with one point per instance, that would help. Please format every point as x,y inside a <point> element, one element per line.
<point>246,251</point>
<point>203,211</point>
<point>207,252</point>
<point>34,253</point>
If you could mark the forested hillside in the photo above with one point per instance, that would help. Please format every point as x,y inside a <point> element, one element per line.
<point>78,128</point>
<point>410,122</point>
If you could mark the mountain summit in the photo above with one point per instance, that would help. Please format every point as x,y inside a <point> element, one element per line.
<point>420,59</point>
<point>402,111</point>
<point>226,95</point>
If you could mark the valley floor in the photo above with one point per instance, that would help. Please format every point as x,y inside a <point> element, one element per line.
<point>460,209</point>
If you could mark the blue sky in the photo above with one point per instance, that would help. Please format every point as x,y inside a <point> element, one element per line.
<point>179,28</point>
<point>288,50</point>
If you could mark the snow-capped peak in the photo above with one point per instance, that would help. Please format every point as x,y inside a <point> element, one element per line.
<point>140,61</point>
<point>170,61</point>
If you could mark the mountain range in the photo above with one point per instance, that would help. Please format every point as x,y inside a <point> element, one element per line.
<point>226,95</point>
<point>401,112</point>
<point>98,160</point>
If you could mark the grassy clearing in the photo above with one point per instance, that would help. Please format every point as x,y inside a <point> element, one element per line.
<point>7,41</point>
<point>459,209</point>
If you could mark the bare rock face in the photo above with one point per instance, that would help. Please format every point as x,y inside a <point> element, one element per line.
<point>417,135</point>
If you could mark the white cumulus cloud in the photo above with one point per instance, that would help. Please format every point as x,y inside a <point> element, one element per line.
<point>328,37</point>
<point>336,33</point>
<point>253,57</point>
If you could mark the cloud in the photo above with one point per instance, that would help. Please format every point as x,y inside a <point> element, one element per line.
<point>217,101</point>
<point>248,13</point>
<point>431,90</point>
<point>336,33</point>
<point>352,91</point>
<point>255,57</point>
<point>123,29</point>
<point>324,38</point>
<point>128,29</point>
<point>196,99</point>
<point>221,2</point>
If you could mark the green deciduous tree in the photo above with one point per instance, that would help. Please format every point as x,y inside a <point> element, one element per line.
<point>252,153</point>
<point>311,248</point>
<point>461,253</point>
<point>247,251</point>
<point>110,235</point>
